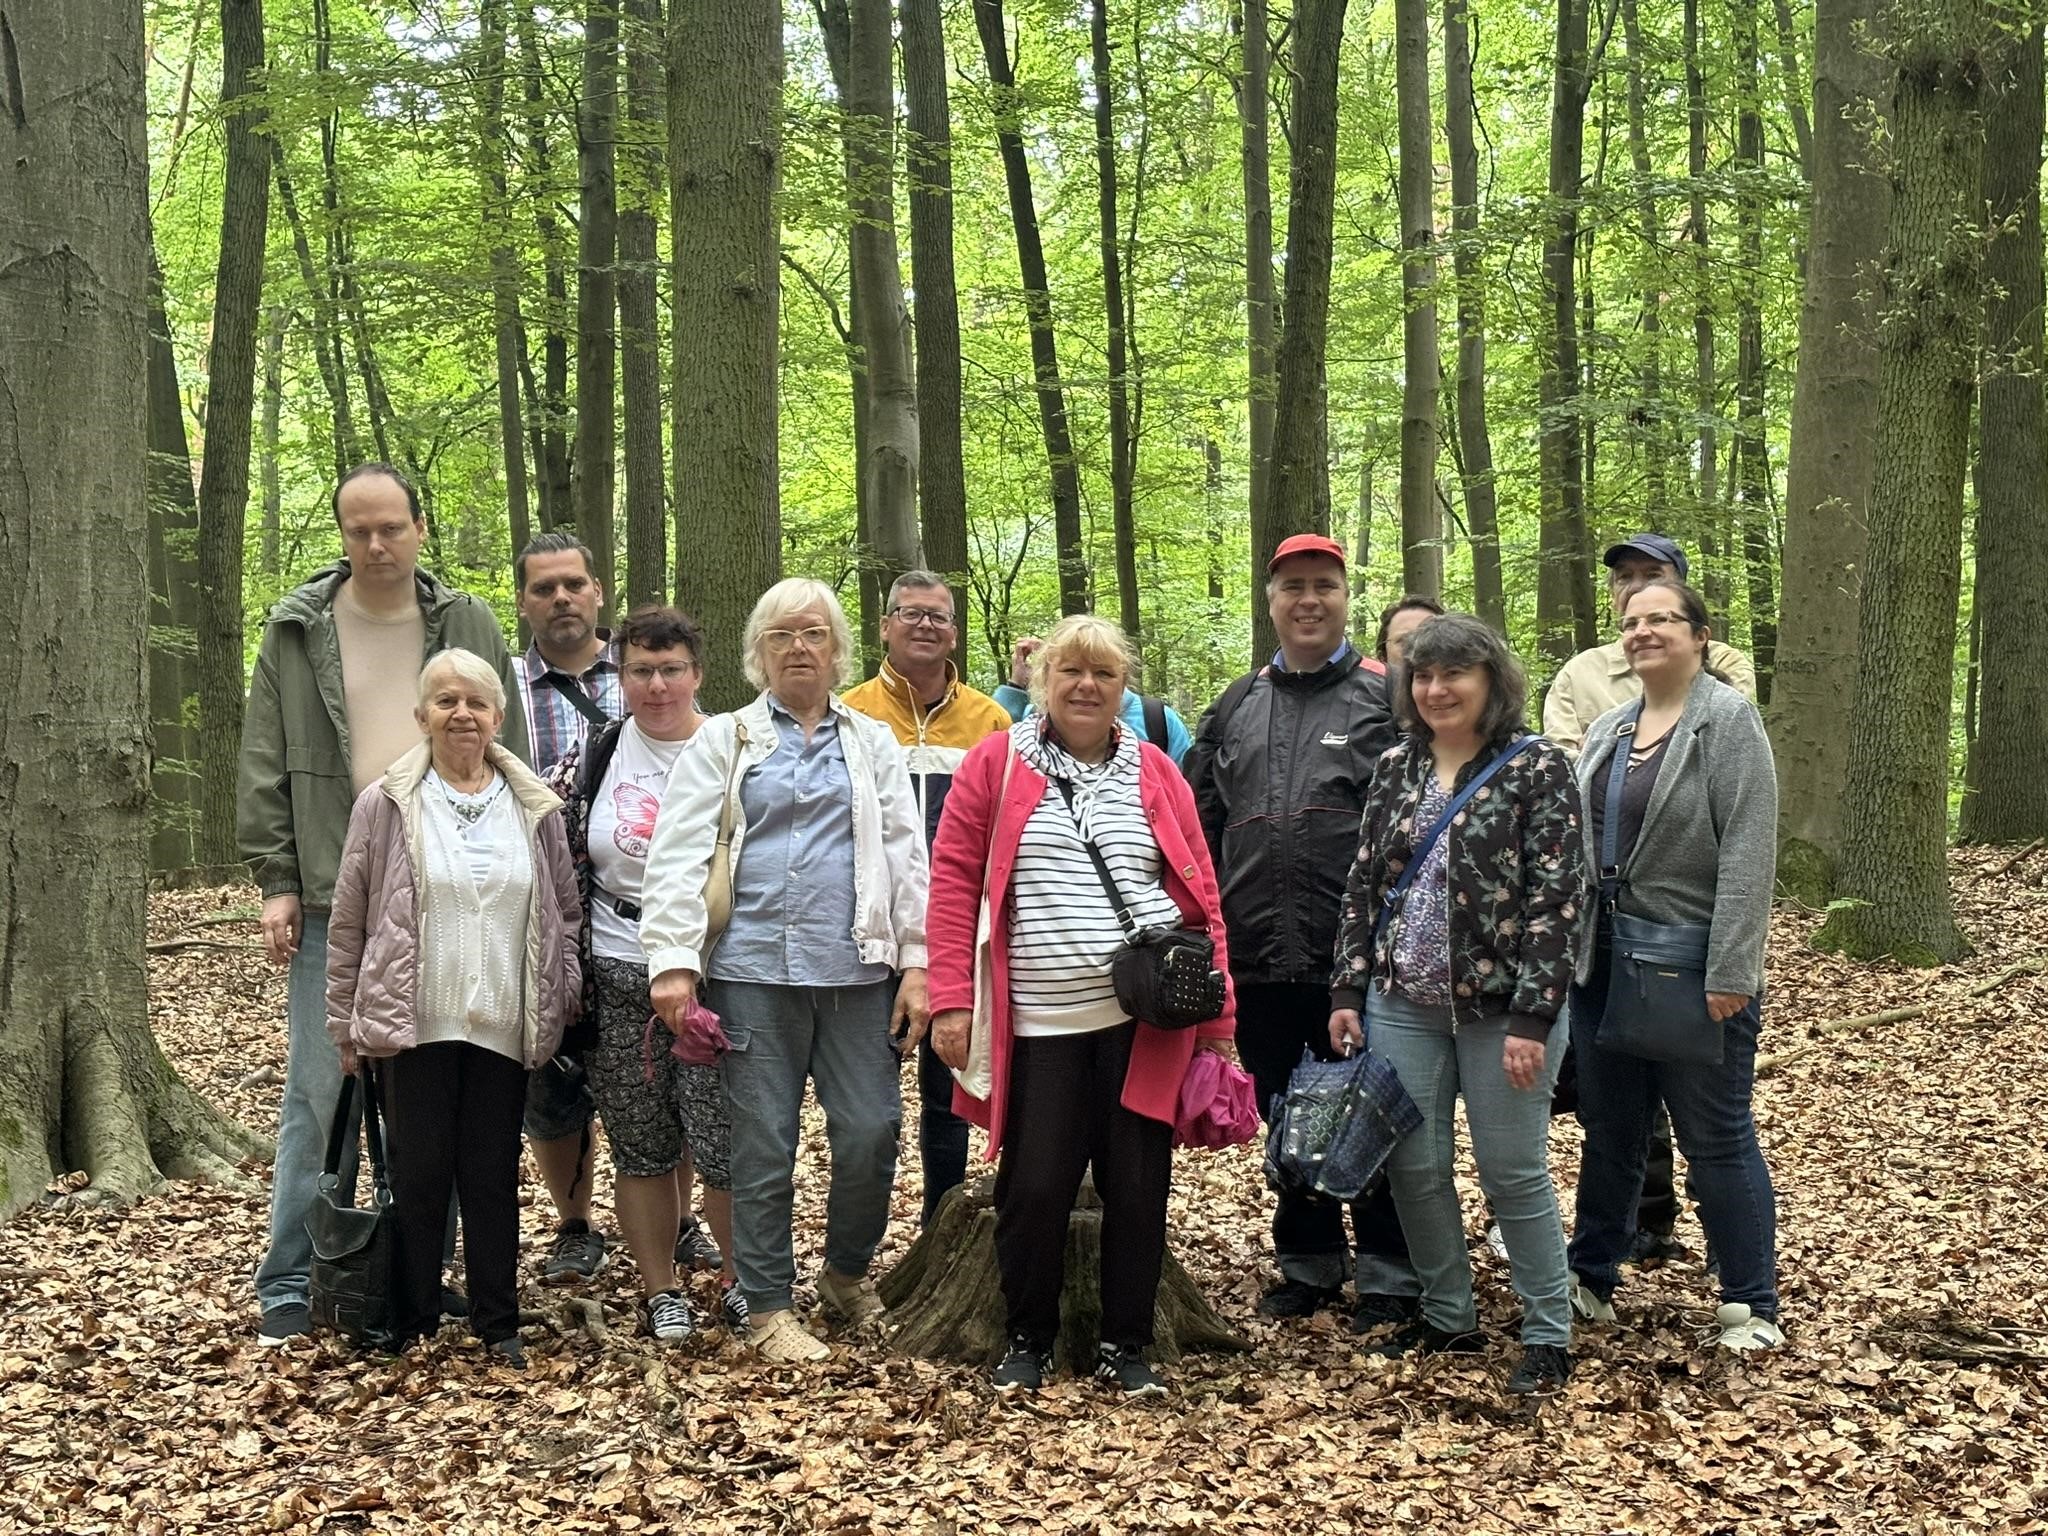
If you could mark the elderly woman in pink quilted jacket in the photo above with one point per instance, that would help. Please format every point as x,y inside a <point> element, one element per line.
<point>452,964</point>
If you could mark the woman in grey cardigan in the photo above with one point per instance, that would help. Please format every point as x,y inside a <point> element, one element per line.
<point>1697,817</point>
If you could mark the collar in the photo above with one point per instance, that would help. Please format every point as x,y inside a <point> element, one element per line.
<point>537,666</point>
<point>899,686</point>
<point>1343,648</point>
<point>834,710</point>
<point>1617,660</point>
<point>402,780</point>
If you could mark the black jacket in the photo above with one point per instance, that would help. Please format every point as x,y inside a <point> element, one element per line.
<point>1280,768</point>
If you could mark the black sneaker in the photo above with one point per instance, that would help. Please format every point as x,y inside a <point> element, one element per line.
<point>695,1248</point>
<point>1421,1336</point>
<point>1653,1250</point>
<point>1023,1368</point>
<point>732,1308</point>
<point>1544,1370</point>
<point>669,1318</point>
<point>578,1253</point>
<point>453,1302</point>
<point>1297,1298</point>
<point>1128,1370</point>
<point>508,1353</point>
<point>289,1321</point>
<point>1376,1310</point>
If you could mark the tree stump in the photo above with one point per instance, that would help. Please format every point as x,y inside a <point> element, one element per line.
<point>945,1298</point>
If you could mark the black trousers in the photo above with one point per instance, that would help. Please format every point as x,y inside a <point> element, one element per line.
<point>455,1111</point>
<point>1276,1021</point>
<point>941,1134</point>
<point>1064,1117</point>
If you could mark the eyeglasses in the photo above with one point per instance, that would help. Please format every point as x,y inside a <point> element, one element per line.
<point>1636,621</point>
<point>815,638</point>
<point>671,672</point>
<point>915,617</point>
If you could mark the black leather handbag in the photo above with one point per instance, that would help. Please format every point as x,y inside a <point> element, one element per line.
<point>350,1278</point>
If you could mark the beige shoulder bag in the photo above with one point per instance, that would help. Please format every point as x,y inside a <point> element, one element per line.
<point>718,880</point>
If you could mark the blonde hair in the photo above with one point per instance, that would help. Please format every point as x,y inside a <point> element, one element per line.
<point>783,601</point>
<point>1087,636</point>
<point>470,668</point>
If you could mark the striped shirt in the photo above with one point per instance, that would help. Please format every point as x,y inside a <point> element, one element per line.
<point>553,723</point>
<point>1063,932</point>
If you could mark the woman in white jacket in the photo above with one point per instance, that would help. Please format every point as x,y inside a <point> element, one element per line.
<point>820,970</point>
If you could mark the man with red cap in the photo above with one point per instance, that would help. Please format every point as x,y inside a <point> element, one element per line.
<point>1280,767</point>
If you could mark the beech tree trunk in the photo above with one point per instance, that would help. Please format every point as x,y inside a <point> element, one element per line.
<point>1706,405</point>
<point>550,416</point>
<point>725,163</point>
<point>173,598</point>
<point>1475,441</point>
<point>230,406</point>
<point>2008,799</point>
<point>82,1083</point>
<point>1753,470</point>
<point>271,551</point>
<point>1122,451</point>
<point>639,308</point>
<point>1254,86</point>
<point>1422,523</point>
<point>597,290</point>
<point>495,159</point>
<point>1895,793</point>
<point>1653,435</point>
<point>1834,448</point>
<point>326,334</point>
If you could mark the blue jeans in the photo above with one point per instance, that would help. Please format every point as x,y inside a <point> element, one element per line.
<point>1510,1142</point>
<point>312,1083</point>
<point>837,1038</point>
<point>1710,1114</point>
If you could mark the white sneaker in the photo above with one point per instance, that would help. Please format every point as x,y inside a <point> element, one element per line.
<point>1591,1307</point>
<point>1497,1244</point>
<point>779,1337</point>
<point>668,1316</point>
<point>1743,1331</point>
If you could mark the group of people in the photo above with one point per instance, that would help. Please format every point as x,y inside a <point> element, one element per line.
<point>508,884</point>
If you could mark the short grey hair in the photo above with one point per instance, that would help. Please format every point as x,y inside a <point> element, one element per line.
<point>470,668</point>
<point>916,581</point>
<point>1460,640</point>
<point>783,601</point>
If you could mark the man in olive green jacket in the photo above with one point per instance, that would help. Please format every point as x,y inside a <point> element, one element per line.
<point>330,708</point>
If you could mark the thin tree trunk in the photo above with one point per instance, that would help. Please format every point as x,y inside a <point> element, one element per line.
<point>1752,457</point>
<point>495,154</point>
<point>1795,97</point>
<point>1254,86</point>
<point>1475,442</point>
<point>1122,452</point>
<point>326,340</point>
<point>1706,503</point>
<point>595,483</point>
<point>551,419</point>
<point>639,308</point>
<point>1045,363</point>
<point>173,596</point>
<point>1656,443</point>
<point>1422,524</point>
<point>725,159</point>
<point>270,552</point>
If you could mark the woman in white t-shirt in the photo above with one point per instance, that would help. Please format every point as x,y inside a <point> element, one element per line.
<point>665,1121</point>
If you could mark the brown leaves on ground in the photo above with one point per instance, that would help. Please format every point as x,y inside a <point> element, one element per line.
<point>1913,1228</point>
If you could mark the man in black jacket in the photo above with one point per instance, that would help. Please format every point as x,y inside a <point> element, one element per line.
<point>1280,767</point>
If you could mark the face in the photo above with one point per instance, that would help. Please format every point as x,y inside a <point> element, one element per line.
<point>1658,638</point>
<point>799,655</point>
<point>660,689</point>
<point>1450,700</point>
<point>1083,696</point>
<point>918,631</point>
<point>379,534</point>
<point>1634,570</point>
<point>458,716</point>
<point>1310,603</point>
<point>1399,628</point>
<point>560,599</point>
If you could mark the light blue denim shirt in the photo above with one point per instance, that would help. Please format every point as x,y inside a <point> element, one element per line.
<point>792,900</point>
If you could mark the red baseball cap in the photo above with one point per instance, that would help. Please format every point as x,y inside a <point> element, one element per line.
<point>1306,544</point>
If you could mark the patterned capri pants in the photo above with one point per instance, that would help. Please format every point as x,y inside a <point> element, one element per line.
<point>652,1104</point>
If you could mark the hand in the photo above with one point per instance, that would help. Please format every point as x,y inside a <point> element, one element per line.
<point>349,1061</point>
<point>1222,1045</point>
<point>672,993</point>
<point>1725,1005</point>
<point>1347,1033</point>
<point>1020,660</point>
<point>1522,1060</point>
<point>281,924</point>
<point>950,1029</point>
<point>912,1015</point>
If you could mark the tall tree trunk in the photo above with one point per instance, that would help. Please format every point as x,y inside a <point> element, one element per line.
<point>230,404</point>
<point>1122,452</point>
<point>1475,441</point>
<point>639,308</point>
<point>551,418</point>
<point>82,1083</point>
<point>1895,794</point>
<point>1298,491</point>
<point>508,329</point>
<point>326,331</point>
<point>173,596</point>
<point>1834,446</point>
<point>597,290</point>
<point>1422,523</point>
<point>1752,479</point>
<point>270,551</point>
<point>928,161</point>
<point>1650,307</point>
<point>2009,798</point>
<point>1706,503</point>
<point>1045,362</point>
<point>725,164</point>
<point>1795,98</point>
<point>1254,87</point>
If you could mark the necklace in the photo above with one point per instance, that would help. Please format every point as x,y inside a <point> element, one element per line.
<point>469,805</point>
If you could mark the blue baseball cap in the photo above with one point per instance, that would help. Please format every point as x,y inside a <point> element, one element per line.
<point>1651,546</point>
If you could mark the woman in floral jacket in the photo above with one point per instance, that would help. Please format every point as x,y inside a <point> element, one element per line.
<point>1464,978</point>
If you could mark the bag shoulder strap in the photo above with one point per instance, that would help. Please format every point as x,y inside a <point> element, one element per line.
<point>585,705</point>
<point>726,812</point>
<point>338,1135</point>
<point>1459,801</point>
<point>1612,878</point>
<point>1124,920</point>
<point>1155,720</point>
<point>988,865</point>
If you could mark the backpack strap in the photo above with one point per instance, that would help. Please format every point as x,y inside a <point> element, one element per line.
<point>1155,720</point>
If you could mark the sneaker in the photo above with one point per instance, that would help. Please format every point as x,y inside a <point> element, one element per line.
<point>578,1253</point>
<point>1543,1372</point>
<point>508,1353</point>
<point>850,1304</point>
<point>1743,1331</point>
<point>1023,1368</point>
<point>1589,1304</point>
<point>1653,1250</point>
<point>1297,1298</point>
<point>732,1308</point>
<point>779,1337</point>
<point>289,1321</point>
<point>1128,1370</point>
<point>695,1248</point>
<point>1421,1336</point>
<point>1496,1243</point>
<point>1375,1310</point>
<point>668,1317</point>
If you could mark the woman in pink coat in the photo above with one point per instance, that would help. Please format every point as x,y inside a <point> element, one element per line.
<point>1076,1082</point>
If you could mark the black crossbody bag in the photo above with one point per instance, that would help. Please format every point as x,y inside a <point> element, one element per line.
<point>350,1277</point>
<point>1165,977</point>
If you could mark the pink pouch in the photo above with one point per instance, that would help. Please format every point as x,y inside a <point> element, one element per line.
<point>1218,1107</point>
<point>700,1044</point>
